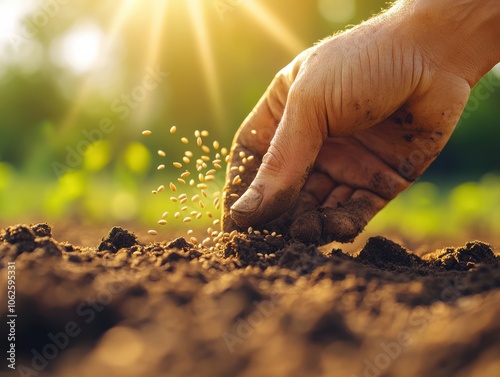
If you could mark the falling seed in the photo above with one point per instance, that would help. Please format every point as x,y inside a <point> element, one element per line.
<point>161,153</point>
<point>186,160</point>
<point>209,230</point>
<point>260,254</point>
<point>172,187</point>
<point>206,241</point>
<point>160,188</point>
<point>244,160</point>
<point>177,214</point>
<point>199,215</point>
<point>184,140</point>
<point>216,161</point>
<point>242,154</point>
<point>204,193</point>
<point>211,172</point>
<point>189,232</point>
<point>253,132</point>
<point>164,215</point>
<point>153,192</point>
<point>182,201</point>
<point>194,213</point>
<point>214,233</point>
<point>173,198</point>
<point>241,168</point>
<point>201,177</point>
<point>202,205</point>
<point>216,144</point>
<point>204,133</point>
<point>202,185</point>
<point>237,180</point>
<point>182,196</point>
<point>184,208</point>
<point>223,151</point>
<point>188,154</point>
<point>193,240</point>
<point>152,232</point>
<point>173,129</point>
<point>226,158</point>
<point>209,178</point>
<point>234,196</point>
<point>187,219</point>
<point>185,174</point>
<point>273,234</point>
<point>197,133</point>
<point>181,181</point>
<point>217,166</point>
<point>146,132</point>
<point>209,214</point>
<point>177,165</point>
<point>250,158</point>
<point>250,230</point>
<point>195,198</point>
<point>256,232</point>
<point>162,222</point>
<point>216,222</point>
<point>191,182</point>
<point>205,149</point>
<point>234,168</point>
<point>161,167</point>
<point>199,142</point>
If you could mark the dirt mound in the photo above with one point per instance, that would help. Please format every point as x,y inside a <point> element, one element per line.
<point>256,305</point>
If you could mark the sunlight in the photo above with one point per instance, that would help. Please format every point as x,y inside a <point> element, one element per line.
<point>338,11</point>
<point>276,28</point>
<point>207,58</point>
<point>11,15</point>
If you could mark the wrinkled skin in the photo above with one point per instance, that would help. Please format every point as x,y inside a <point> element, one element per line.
<point>347,126</point>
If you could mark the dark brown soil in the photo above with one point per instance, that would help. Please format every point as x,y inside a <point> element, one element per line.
<point>255,306</point>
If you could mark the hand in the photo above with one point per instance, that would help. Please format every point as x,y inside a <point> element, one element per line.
<point>342,130</point>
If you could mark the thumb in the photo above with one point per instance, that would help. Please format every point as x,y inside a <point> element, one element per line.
<point>286,165</point>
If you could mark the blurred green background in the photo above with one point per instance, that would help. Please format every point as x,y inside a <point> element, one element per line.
<point>80,80</point>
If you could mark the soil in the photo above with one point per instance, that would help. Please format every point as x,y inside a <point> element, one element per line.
<point>258,305</point>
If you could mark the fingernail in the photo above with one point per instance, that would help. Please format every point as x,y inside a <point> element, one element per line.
<point>249,202</point>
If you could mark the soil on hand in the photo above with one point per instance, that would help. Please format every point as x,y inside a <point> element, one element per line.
<point>258,305</point>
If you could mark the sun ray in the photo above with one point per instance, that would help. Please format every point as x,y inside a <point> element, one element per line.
<point>205,51</point>
<point>116,26</point>
<point>275,27</point>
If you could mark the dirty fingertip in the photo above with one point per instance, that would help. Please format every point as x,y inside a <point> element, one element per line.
<point>243,209</point>
<point>307,228</point>
<point>342,225</point>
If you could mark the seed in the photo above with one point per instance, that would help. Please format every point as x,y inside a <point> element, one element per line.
<point>265,231</point>
<point>197,133</point>
<point>182,196</point>
<point>211,172</point>
<point>173,129</point>
<point>209,214</point>
<point>160,188</point>
<point>241,168</point>
<point>177,165</point>
<point>242,154</point>
<point>199,142</point>
<point>191,182</point>
<point>226,158</point>
<point>162,222</point>
<point>256,232</point>
<point>193,240</point>
<point>234,168</point>
<point>253,132</point>
<point>216,144</point>
<point>185,174</point>
<point>177,214</point>
<point>181,181</point>
<point>172,187</point>
<point>216,222</point>
<point>186,160</point>
<point>165,214</point>
<point>204,193</point>
<point>204,133</point>
<point>216,161</point>
<point>237,180</point>
<point>214,233</point>
<point>195,198</point>
<point>184,140</point>
<point>205,158</point>
<point>153,192</point>
<point>273,234</point>
<point>187,219</point>
<point>184,208</point>
<point>209,230</point>
<point>182,201</point>
<point>223,151</point>
<point>161,167</point>
<point>194,213</point>
<point>201,177</point>
<point>161,153</point>
<point>189,232</point>
<point>206,241</point>
<point>188,154</point>
<point>250,158</point>
<point>217,166</point>
<point>216,202</point>
<point>202,185</point>
<point>199,215</point>
<point>272,255</point>
<point>260,254</point>
<point>202,205</point>
<point>234,196</point>
<point>152,232</point>
<point>146,132</point>
<point>173,198</point>
<point>209,178</point>
<point>250,230</point>
<point>205,149</point>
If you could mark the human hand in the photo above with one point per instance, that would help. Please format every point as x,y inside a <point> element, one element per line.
<point>342,130</point>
